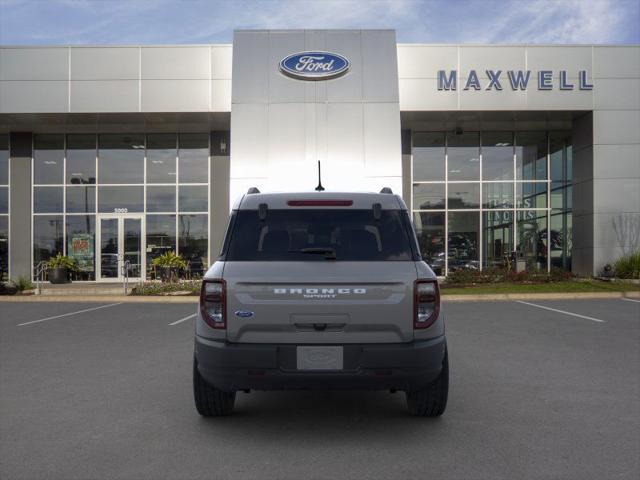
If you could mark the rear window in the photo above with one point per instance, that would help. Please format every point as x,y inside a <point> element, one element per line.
<point>319,235</point>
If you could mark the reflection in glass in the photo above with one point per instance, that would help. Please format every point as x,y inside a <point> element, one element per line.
<point>531,249</point>
<point>81,159</point>
<point>120,158</point>
<point>561,239</point>
<point>463,156</point>
<point>4,159</point>
<point>47,199</point>
<point>81,241</point>
<point>112,198</point>
<point>561,195</point>
<point>497,195</point>
<point>531,195</point>
<point>81,199</point>
<point>497,156</point>
<point>428,156</point>
<point>463,235</point>
<point>193,238</point>
<point>109,249</point>
<point>464,195</point>
<point>498,238</point>
<point>428,196</point>
<point>48,159</point>
<point>132,245</point>
<point>161,238</point>
<point>161,199</point>
<point>560,154</point>
<point>531,155</point>
<point>47,237</point>
<point>193,198</point>
<point>161,158</point>
<point>430,232</point>
<point>193,163</point>
<point>4,199</point>
<point>4,247</point>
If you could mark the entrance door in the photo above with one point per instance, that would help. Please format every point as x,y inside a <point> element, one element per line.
<point>120,246</point>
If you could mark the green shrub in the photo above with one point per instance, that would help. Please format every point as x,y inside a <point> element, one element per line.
<point>628,266</point>
<point>502,275</point>
<point>62,261</point>
<point>23,283</point>
<point>155,288</point>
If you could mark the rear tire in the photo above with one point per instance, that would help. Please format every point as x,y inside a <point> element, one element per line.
<point>432,400</point>
<point>210,402</point>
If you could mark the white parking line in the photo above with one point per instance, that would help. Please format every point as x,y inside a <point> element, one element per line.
<point>562,311</point>
<point>182,320</point>
<point>631,300</point>
<point>68,314</point>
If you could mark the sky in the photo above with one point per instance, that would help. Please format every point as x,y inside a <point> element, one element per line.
<point>120,22</point>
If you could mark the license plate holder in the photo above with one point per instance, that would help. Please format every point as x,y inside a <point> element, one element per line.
<point>319,358</point>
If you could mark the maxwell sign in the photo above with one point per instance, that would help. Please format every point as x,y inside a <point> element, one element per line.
<point>314,65</point>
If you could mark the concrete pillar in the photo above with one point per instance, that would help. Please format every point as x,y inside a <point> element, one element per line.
<point>20,144</point>
<point>582,251</point>
<point>219,191</point>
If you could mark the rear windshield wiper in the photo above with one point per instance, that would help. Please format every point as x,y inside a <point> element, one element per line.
<point>329,253</point>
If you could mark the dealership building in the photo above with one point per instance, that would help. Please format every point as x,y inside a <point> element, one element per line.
<point>504,153</point>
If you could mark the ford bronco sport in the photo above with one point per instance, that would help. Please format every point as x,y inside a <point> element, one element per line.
<point>320,291</point>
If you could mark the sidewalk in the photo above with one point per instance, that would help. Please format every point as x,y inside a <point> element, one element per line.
<point>446,298</point>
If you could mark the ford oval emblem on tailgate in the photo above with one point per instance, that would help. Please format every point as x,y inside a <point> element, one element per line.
<point>244,313</point>
<point>314,65</point>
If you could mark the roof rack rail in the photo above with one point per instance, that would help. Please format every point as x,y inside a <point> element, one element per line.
<point>253,190</point>
<point>387,190</point>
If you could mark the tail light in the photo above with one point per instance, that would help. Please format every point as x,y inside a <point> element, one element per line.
<point>213,303</point>
<point>426,303</point>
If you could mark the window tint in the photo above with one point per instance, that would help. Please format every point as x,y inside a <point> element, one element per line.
<point>287,235</point>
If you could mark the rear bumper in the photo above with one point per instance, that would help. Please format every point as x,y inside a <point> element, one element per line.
<point>402,366</point>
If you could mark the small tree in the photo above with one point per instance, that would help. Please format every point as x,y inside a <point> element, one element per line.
<point>170,266</point>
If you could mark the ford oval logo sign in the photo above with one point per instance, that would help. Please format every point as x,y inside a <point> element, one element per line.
<point>244,313</point>
<point>314,65</point>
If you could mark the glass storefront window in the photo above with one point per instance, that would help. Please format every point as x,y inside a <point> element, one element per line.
<point>428,157</point>
<point>464,195</point>
<point>4,247</point>
<point>531,155</point>
<point>497,195</point>
<point>161,238</point>
<point>561,239</point>
<point>120,199</point>
<point>498,238</point>
<point>193,158</point>
<point>428,196</point>
<point>48,159</point>
<point>497,155</point>
<point>161,158</point>
<point>463,240</point>
<point>81,244</point>
<point>120,159</point>
<point>561,195</point>
<point>531,195</point>
<point>81,159</point>
<point>81,199</point>
<point>193,234</point>
<point>47,237</point>
<point>431,238</point>
<point>463,156</point>
<point>193,198</point>
<point>47,199</point>
<point>4,200</point>
<point>4,159</point>
<point>531,249</point>
<point>161,199</point>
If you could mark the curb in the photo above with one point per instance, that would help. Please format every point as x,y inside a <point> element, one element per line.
<point>490,297</point>
<point>503,297</point>
<point>99,298</point>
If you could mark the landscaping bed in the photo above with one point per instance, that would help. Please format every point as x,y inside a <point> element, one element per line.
<point>566,286</point>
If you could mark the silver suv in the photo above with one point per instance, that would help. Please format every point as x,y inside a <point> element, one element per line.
<point>320,291</point>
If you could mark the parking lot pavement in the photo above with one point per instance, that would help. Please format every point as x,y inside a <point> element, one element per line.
<point>106,393</point>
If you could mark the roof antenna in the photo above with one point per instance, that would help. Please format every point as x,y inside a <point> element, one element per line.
<point>319,188</point>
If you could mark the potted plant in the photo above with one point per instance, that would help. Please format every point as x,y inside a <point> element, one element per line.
<point>59,268</point>
<point>170,266</point>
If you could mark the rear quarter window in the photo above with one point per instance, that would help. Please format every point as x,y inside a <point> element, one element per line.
<point>307,234</point>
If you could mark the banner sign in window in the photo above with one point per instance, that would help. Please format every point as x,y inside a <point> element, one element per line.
<point>81,249</point>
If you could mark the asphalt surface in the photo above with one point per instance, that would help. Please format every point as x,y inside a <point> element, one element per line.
<point>534,393</point>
